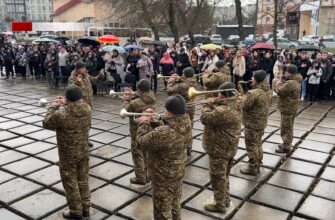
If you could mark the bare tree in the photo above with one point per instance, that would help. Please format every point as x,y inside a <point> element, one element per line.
<point>239,16</point>
<point>170,12</point>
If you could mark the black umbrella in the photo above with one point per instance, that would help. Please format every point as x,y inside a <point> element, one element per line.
<point>308,48</point>
<point>87,40</point>
<point>154,42</point>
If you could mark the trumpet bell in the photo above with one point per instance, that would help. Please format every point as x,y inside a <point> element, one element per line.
<point>192,93</point>
<point>111,92</point>
<point>43,102</point>
<point>123,113</point>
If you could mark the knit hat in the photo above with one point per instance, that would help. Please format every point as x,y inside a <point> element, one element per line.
<point>176,104</point>
<point>143,85</point>
<point>227,85</point>
<point>80,64</point>
<point>188,72</point>
<point>73,93</point>
<point>219,64</point>
<point>291,68</point>
<point>259,75</point>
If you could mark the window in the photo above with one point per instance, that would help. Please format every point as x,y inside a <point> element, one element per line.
<point>267,18</point>
<point>268,8</point>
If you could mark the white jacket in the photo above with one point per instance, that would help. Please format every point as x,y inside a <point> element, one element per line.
<point>314,78</point>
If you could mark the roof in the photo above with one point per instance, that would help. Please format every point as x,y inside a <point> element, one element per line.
<point>66,6</point>
<point>294,8</point>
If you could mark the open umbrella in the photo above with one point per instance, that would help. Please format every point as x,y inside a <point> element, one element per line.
<point>262,46</point>
<point>154,42</point>
<point>308,48</point>
<point>45,40</point>
<point>145,39</point>
<point>131,47</point>
<point>110,48</point>
<point>210,47</point>
<point>87,40</point>
<point>109,39</point>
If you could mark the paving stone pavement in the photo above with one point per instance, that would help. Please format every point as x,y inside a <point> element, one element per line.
<point>298,186</point>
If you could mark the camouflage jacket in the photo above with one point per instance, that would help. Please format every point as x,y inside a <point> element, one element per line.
<point>288,95</point>
<point>256,105</point>
<point>213,80</point>
<point>166,146</point>
<point>182,88</point>
<point>222,131</point>
<point>139,103</point>
<point>86,85</point>
<point>72,125</point>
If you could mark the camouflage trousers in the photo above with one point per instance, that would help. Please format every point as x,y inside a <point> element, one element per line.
<point>286,129</point>
<point>190,111</point>
<point>139,156</point>
<point>219,174</point>
<point>166,201</point>
<point>253,143</point>
<point>74,176</point>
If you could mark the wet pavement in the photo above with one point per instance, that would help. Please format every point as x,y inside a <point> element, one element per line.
<point>299,186</point>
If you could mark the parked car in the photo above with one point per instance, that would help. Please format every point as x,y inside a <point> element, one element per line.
<point>267,36</point>
<point>309,39</point>
<point>233,40</point>
<point>199,40</point>
<point>327,42</point>
<point>216,39</point>
<point>249,42</point>
<point>283,43</point>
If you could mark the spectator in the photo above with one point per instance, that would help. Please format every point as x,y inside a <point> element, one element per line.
<point>239,67</point>
<point>167,66</point>
<point>303,65</point>
<point>267,66</point>
<point>145,67</point>
<point>326,65</point>
<point>314,73</point>
<point>182,62</point>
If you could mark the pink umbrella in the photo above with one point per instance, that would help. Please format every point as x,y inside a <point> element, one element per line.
<point>262,46</point>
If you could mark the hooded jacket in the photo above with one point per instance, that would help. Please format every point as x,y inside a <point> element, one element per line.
<point>256,105</point>
<point>166,145</point>
<point>72,126</point>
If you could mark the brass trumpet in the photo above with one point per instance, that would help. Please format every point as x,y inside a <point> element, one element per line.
<point>240,88</point>
<point>192,92</point>
<point>124,113</point>
<point>115,94</point>
<point>160,76</point>
<point>44,102</point>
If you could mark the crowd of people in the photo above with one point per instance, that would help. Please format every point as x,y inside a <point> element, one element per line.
<point>56,62</point>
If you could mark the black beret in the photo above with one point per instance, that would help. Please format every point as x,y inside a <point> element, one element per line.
<point>291,68</point>
<point>219,64</point>
<point>176,104</point>
<point>259,76</point>
<point>226,86</point>
<point>73,93</point>
<point>188,72</point>
<point>143,85</point>
<point>80,64</point>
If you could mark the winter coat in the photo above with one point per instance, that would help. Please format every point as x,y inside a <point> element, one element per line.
<point>119,66</point>
<point>72,124</point>
<point>303,70</point>
<point>222,121</point>
<point>145,68</point>
<point>256,105</point>
<point>166,145</point>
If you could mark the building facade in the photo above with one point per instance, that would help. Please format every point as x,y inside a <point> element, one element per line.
<point>326,18</point>
<point>99,13</point>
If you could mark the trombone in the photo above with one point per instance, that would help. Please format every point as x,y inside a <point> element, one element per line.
<point>124,113</point>
<point>192,92</point>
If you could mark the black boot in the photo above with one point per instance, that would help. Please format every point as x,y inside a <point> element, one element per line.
<point>90,144</point>
<point>70,215</point>
<point>86,213</point>
<point>215,208</point>
<point>249,170</point>
<point>282,150</point>
<point>138,181</point>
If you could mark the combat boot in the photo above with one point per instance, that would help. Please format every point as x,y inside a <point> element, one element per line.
<point>138,181</point>
<point>282,150</point>
<point>214,207</point>
<point>90,144</point>
<point>86,213</point>
<point>249,170</point>
<point>70,215</point>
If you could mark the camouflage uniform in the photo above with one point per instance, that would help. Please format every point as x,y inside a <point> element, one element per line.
<point>181,87</point>
<point>166,145</point>
<point>72,128</point>
<point>288,100</point>
<point>214,79</point>
<point>222,131</point>
<point>86,84</point>
<point>256,106</point>
<point>138,104</point>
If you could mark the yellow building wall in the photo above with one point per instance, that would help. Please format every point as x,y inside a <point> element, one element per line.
<point>75,13</point>
<point>305,23</point>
